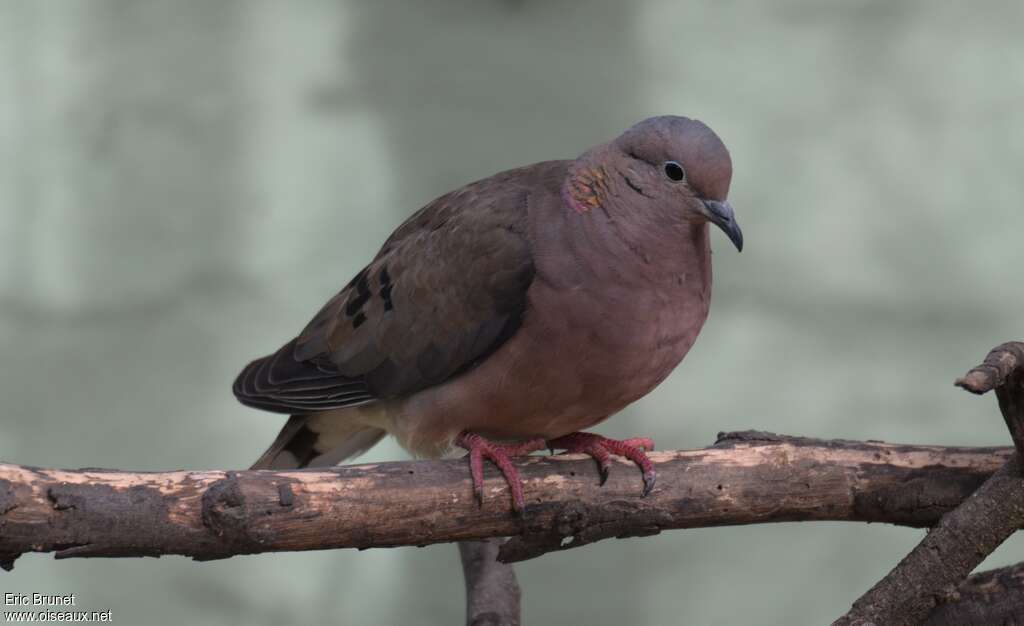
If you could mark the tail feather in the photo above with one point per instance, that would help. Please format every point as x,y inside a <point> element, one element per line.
<point>318,440</point>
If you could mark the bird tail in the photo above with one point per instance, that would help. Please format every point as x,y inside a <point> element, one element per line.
<point>318,440</point>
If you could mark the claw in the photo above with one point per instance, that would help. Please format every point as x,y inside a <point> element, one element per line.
<point>601,448</point>
<point>500,455</point>
<point>649,478</point>
<point>476,469</point>
<point>604,462</point>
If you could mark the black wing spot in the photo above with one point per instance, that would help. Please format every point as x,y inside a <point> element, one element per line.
<point>358,320</point>
<point>362,294</point>
<point>360,276</point>
<point>385,288</point>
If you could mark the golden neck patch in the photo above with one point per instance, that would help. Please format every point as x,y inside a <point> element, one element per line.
<point>585,188</point>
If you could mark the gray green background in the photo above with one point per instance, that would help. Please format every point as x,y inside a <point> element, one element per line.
<point>182,184</point>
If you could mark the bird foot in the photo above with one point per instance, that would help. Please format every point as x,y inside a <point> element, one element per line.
<point>601,448</point>
<point>501,455</point>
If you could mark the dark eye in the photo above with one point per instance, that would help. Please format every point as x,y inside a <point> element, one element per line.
<point>675,171</point>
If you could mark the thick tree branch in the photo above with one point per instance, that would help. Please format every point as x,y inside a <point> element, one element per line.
<point>968,534</point>
<point>745,478</point>
<point>947,554</point>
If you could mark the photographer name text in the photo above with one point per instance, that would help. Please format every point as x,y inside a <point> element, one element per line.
<point>39,599</point>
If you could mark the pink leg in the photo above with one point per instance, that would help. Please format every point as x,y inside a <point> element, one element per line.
<point>501,454</point>
<point>601,448</point>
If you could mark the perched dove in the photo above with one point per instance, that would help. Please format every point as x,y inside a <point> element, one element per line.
<point>510,314</point>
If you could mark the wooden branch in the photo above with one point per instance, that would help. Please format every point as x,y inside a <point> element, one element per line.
<point>991,597</point>
<point>492,592</point>
<point>745,478</point>
<point>1002,371</point>
<point>947,554</point>
<point>968,534</point>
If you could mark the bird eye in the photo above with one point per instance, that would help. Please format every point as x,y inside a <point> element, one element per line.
<point>675,171</point>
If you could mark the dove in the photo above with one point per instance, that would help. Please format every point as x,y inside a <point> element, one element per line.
<point>513,313</point>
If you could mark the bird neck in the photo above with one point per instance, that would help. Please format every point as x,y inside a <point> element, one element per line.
<point>582,235</point>
<point>663,256</point>
<point>585,187</point>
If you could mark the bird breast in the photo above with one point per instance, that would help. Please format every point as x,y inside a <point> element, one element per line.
<point>580,356</point>
<point>619,343</point>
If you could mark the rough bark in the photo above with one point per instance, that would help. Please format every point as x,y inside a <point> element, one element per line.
<point>965,536</point>
<point>745,478</point>
<point>936,566</point>
<point>987,598</point>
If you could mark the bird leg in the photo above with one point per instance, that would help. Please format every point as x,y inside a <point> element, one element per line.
<point>601,448</point>
<point>501,454</point>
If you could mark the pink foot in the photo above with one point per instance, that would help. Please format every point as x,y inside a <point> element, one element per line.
<point>601,448</point>
<point>501,454</point>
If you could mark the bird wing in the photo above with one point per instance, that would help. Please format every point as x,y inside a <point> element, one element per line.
<point>445,290</point>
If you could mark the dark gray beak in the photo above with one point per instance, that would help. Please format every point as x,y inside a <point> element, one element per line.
<point>721,215</point>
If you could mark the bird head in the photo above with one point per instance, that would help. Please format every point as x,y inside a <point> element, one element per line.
<point>668,165</point>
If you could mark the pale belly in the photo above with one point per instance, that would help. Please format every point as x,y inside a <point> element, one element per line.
<point>562,372</point>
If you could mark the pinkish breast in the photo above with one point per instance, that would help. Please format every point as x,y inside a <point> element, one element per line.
<point>585,350</point>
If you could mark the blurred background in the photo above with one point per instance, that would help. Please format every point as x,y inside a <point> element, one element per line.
<point>183,184</point>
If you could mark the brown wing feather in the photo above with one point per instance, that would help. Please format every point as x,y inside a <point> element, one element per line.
<point>281,383</point>
<point>445,290</point>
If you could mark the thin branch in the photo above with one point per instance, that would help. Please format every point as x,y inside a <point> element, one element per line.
<point>968,534</point>
<point>492,592</point>
<point>1003,371</point>
<point>746,478</point>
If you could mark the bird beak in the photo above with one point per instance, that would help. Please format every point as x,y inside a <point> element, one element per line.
<point>721,215</point>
